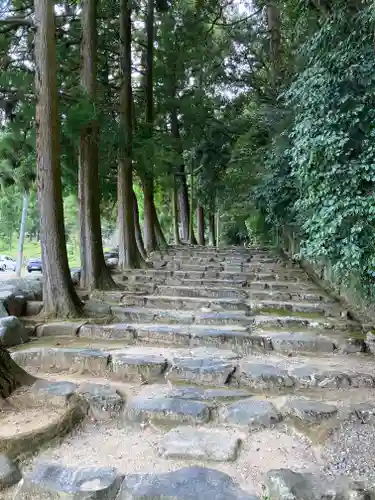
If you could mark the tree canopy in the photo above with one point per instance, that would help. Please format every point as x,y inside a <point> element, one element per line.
<point>259,113</point>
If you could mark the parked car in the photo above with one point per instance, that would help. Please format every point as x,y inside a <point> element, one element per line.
<point>7,263</point>
<point>34,265</point>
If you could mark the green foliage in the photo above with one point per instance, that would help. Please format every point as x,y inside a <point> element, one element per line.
<point>319,172</point>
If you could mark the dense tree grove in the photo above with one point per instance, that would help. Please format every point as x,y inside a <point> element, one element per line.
<point>187,121</point>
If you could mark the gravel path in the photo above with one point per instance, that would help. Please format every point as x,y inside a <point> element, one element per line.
<point>350,451</point>
<point>132,450</point>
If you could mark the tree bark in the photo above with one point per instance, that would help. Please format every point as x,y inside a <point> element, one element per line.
<point>148,180</point>
<point>21,240</point>
<point>148,216</point>
<point>60,298</point>
<point>128,252</point>
<point>159,235</point>
<point>183,201</point>
<point>211,228</point>
<point>200,225</point>
<point>138,232</point>
<point>12,376</point>
<point>176,230</point>
<point>94,271</point>
<point>182,189</point>
<point>192,239</point>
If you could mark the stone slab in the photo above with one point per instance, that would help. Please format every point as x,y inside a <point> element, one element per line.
<point>300,342</point>
<point>114,331</point>
<point>12,332</point>
<point>74,360</point>
<point>14,303</point>
<point>190,483</point>
<point>9,472</point>
<point>261,376</point>
<point>33,308</point>
<point>56,482</point>
<point>93,307</point>
<point>103,400</point>
<point>137,367</point>
<point>200,394</point>
<point>194,443</point>
<point>308,410</point>
<point>31,288</point>
<point>365,412</point>
<point>285,484</point>
<point>310,376</point>
<point>166,409</point>
<point>250,412</point>
<point>54,393</point>
<point>199,291</point>
<point>59,328</point>
<point>3,311</point>
<point>191,303</point>
<point>239,340</point>
<point>209,371</point>
<point>166,334</point>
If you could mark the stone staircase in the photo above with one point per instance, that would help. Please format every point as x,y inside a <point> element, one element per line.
<point>227,357</point>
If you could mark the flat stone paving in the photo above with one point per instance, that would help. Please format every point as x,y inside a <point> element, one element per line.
<point>212,374</point>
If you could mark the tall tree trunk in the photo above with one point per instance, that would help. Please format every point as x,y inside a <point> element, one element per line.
<point>59,296</point>
<point>94,271</point>
<point>192,239</point>
<point>128,252</point>
<point>212,228</point>
<point>182,189</point>
<point>138,232</point>
<point>200,225</point>
<point>21,240</point>
<point>81,220</point>
<point>183,202</point>
<point>148,216</point>
<point>12,376</point>
<point>176,230</point>
<point>159,235</point>
<point>148,181</point>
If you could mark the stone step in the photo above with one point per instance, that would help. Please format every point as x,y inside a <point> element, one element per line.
<point>287,295</point>
<point>288,286</point>
<point>294,275</point>
<point>191,303</point>
<point>197,291</point>
<point>236,338</point>
<point>308,342</point>
<point>213,282</point>
<point>319,308</point>
<point>49,480</point>
<point>240,339</point>
<point>179,290</point>
<point>192,482</point>
<point>185,317</point>
<point>152,281</point>
<point>219,257</point>
<point>203,366</point>
<point>206,366</point>
<point>271,321</point>
<point>226,267</point>
<point>188,442</point>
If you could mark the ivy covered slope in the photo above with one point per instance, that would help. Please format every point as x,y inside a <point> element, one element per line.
<point>310,146</point>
